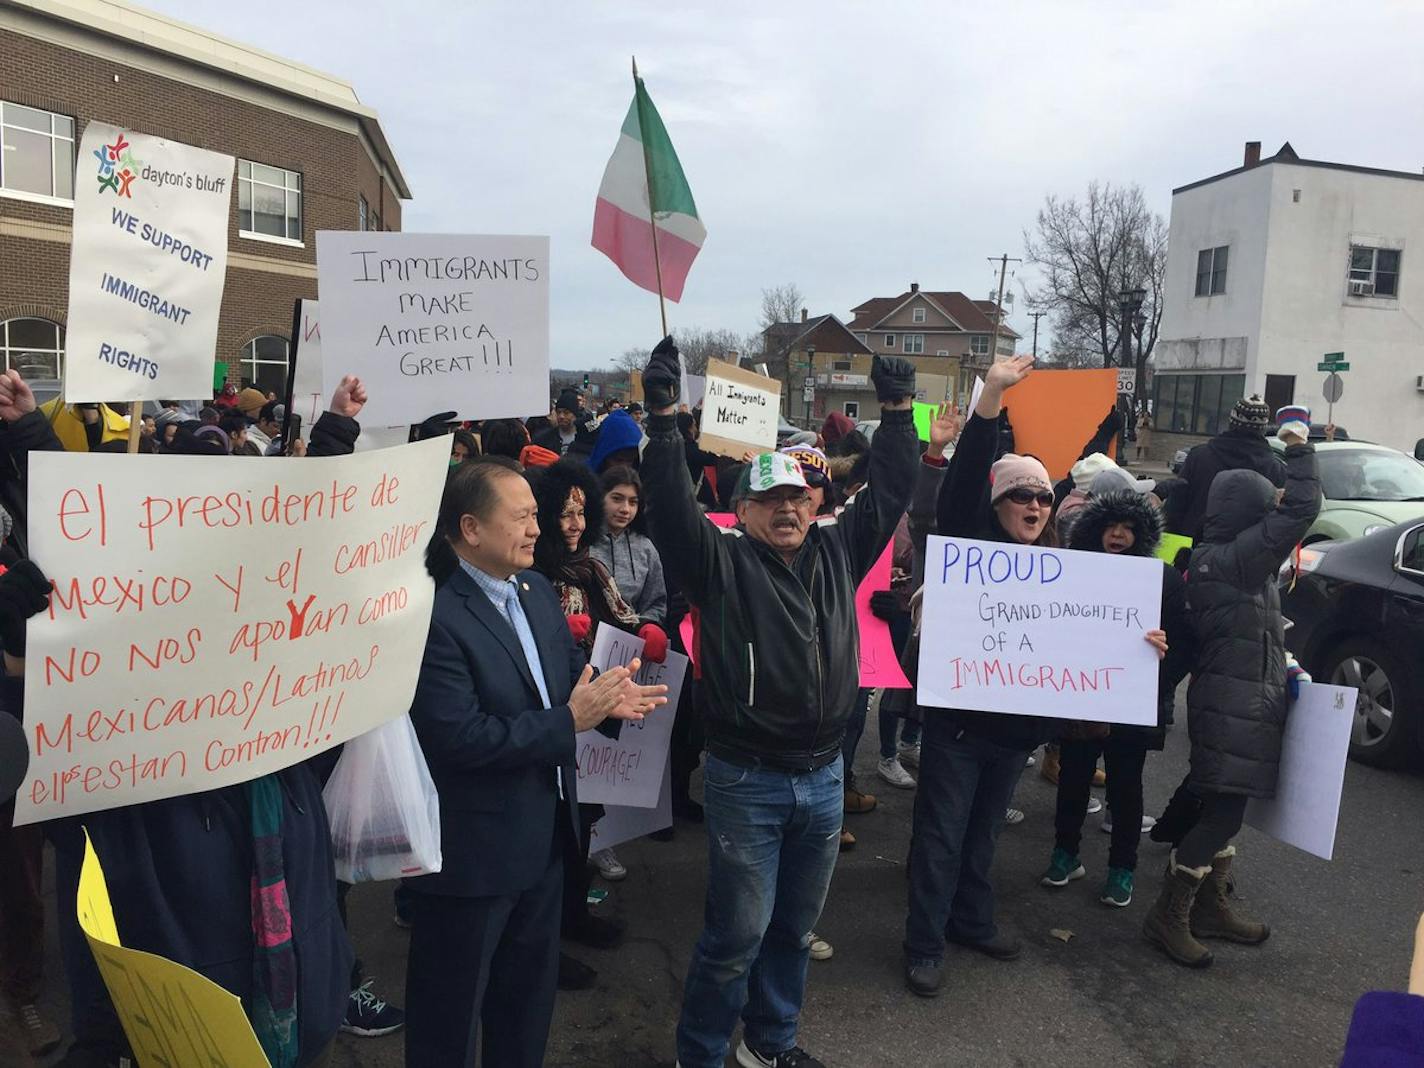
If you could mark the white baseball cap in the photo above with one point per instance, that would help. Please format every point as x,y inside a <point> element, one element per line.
<point>768,470</point>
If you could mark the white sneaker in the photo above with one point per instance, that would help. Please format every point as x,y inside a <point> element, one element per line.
<point>1148,822</point>
<point>891,771</point>
<point>1094,805</point>
<point>609,866</point>
<point>820,948</point>
<point>1014,816</point>
<point>908,755</point>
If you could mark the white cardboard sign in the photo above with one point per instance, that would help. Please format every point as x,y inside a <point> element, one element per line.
<point>1306,808</point>
<point>146,267</point>
<point>621,823</point>
<point>629,771</point>
<point>740,410</point>
<point>308,396</point>
<point>1039,632</point>
<point>436,322</point>
<point>214,621</point>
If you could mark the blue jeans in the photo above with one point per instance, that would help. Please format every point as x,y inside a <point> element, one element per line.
<point>889,724</point>
<point>965,784</point>
<point>772,840</point>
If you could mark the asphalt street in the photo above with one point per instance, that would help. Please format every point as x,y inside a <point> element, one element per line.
<point>1103,997</point>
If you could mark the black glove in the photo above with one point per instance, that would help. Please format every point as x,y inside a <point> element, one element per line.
<point>885,604</point>
<point>434,427</point>
<point>1111,424</point>
<point>662,378</point>
<point>893,378</point>
<point>24,592</point>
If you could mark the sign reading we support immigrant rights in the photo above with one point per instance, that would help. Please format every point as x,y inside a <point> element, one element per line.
<point>740,410</point>
<point>436,322</point>
<point>214,621</point>
<point>146,267</point>
<point>1039,632</point>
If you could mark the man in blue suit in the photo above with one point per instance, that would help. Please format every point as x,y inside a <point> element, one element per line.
<point>502,692</point>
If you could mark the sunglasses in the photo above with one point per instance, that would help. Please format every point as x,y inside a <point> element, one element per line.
<point>1025,496</point>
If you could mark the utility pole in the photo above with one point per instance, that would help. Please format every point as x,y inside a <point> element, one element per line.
<point>1036,316</point>
<point>1004,261</point>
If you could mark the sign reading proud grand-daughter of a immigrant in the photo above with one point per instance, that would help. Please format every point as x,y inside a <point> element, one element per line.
<point>146,267</point>
<point>436,322</point>
<point>1039,632</point>
<point>214,621</point>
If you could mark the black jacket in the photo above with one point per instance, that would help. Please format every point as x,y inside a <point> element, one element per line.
<point>31,432</point>
<point>779,642</point>
<point>1237,700</point>
<point>1089,524</point>
<point>1235,450</point>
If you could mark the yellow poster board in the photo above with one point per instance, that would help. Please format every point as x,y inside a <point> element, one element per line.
<point>1170,546</point>
<point>174,1017</point>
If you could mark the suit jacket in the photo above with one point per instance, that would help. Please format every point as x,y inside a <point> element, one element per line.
<point>491,744</point>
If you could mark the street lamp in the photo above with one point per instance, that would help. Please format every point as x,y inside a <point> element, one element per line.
<point>1129,304</point>
<point>810,372</point>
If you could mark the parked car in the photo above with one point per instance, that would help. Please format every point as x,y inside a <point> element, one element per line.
<point>1367,488</point>
<point>1358,614</point>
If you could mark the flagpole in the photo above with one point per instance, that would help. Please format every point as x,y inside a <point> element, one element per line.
<point>652,215</point>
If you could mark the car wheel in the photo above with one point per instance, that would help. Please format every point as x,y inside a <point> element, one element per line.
<point>1383,734</point>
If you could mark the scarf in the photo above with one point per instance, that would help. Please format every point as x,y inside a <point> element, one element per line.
<point>274,963</point>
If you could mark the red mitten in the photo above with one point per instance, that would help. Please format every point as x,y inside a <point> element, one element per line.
<point>655,643</point>
<point>579,627</point>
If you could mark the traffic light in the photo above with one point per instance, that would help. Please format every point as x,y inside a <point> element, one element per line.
<point>585,380</point>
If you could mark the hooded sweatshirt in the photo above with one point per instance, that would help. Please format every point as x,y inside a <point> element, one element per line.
<point>618,431</point>
<point>637,570</point>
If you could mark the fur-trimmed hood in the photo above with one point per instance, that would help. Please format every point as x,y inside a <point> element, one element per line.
<point>1099,513</point>
<point>551,486</point>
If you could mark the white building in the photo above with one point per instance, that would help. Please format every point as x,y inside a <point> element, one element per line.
<point>1274,264</point>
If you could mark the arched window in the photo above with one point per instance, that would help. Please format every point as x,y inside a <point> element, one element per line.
<point>35,348</point>
<point>264,363</point>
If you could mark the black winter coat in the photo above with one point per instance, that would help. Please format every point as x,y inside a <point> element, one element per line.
<point>1235,450</point>
<point>779,642</point>
<point>1237,700</point>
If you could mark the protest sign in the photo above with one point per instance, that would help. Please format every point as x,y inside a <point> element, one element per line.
<point>620,823</point>
<point>436,322</point>
<point>214,621</point>
<point>694,389</point>
<point>1055,413</point>
<point>1170,546</point>
<point>879,666</point>
<point>308,389</point>
<point>1306,808</point>
<point>1039,632</point>
<point>924,416</point>
<point>740,410</point>
<point>170,1014</point>
<point>628,771</point>
<point>146,267</point>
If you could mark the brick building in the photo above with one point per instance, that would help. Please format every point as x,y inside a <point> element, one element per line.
<point>310,157</point>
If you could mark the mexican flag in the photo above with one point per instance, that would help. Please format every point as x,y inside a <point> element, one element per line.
<point>624,216</point>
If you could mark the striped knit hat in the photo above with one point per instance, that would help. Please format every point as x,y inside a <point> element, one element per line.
<point>1251,414</point>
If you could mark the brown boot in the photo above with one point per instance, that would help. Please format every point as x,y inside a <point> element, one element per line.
<point>857,803</point>
<point>1168,923</point>
<point>1211,914</point>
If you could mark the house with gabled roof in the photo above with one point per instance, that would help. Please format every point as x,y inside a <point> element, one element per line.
<point>826,368</point>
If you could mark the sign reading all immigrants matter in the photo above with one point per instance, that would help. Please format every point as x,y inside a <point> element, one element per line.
<point>146,268</point>
<point>214,621</point>
<point>740,410</point>
<point>436,323</point>
<point>1039,632</point>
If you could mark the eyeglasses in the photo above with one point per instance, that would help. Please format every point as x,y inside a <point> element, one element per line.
<point>1025,496</point>
<point>796,500</point>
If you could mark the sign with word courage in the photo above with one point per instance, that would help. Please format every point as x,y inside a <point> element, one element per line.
<point>629,770</point>
<point>436,322</point>
<point>1039,632</point>
<point>740,410</point>
<point>214,621</point>
<point>146,267</point>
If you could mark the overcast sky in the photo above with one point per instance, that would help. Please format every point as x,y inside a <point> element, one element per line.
<point>850,148</point>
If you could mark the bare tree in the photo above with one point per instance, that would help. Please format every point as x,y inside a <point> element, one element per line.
<point>779,304</point>
<point>1090,251</point>
<point>699,345</point>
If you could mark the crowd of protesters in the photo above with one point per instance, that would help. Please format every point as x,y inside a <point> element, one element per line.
<point>552,527</point>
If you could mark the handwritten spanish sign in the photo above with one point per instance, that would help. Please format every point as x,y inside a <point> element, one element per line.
<point>171,1014</point>
<point>308,396</point>
<point>740,410</point>
<point>146,268</point>
<point>212,622</point>
<point>436,322</point>
<point>629,771</point>
<point>1039,632</point>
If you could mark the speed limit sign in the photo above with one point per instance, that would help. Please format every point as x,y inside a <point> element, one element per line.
<point>1127,379</point>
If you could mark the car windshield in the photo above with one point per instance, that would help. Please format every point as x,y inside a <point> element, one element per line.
<point>1370,475</point>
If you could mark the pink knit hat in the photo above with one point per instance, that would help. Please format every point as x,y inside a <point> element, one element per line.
<point>1012,472</point>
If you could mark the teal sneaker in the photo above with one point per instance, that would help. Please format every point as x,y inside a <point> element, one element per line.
<point>1117,891</point>
<point>1063,868</point>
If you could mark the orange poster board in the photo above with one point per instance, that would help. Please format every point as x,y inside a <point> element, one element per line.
<point>1054,413</point>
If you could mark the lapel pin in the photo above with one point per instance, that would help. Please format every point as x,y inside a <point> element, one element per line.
<point>525,586</point>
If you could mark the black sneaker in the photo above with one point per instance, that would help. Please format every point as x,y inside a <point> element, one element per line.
<point>925,977</point>
<point>370,1016</point>
<point>795,1057</point>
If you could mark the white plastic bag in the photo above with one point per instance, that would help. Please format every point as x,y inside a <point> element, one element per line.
<point>383,807</point>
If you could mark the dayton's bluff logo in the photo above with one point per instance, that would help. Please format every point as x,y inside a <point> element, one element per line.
<point>117,167</point>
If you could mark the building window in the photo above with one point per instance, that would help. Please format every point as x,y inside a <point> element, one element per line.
<point>269,201</point>
<point>1196,404</point>
<point>38,155</point>
<point>1374,272</point>
<point>889,341</point>
<point>375,220</point>
<point>362,209</point>
<point>35,348</point>
<point>1211,271</point>
<point>860,337</point>
<point>914,343</point>
<point>941,352</point>
<point>264,363</point>
<point>1006,345</point>
<point>917,315</point>
<point>840,365</point>
<point>979,344</point>
<point>852,409</point>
